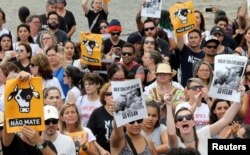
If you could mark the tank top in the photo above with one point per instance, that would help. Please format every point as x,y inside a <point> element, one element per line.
<point>127,151</point>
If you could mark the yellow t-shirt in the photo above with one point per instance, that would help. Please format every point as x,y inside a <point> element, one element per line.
<point>77,136</point>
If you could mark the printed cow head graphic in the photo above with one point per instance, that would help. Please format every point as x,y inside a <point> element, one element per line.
<point>90,45</point>
<point>23,97</point>
<point>182,14</point>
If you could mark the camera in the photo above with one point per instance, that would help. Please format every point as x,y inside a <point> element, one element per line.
<point>208,9</point>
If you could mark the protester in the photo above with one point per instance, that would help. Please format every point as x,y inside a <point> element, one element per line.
<point>52,96</point>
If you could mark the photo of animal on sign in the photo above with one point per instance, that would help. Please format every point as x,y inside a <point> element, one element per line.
<point>91,49</point>
<point>24,104</point>
<point>151,8</point>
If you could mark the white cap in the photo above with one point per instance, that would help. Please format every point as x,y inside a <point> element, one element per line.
<point>50,112</point>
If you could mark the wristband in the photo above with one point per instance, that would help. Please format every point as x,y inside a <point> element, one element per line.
<point>42,146</point>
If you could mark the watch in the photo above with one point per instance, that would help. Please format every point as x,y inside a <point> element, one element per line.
<point>42,146</point>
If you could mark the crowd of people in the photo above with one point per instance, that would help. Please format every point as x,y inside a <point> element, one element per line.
<point>175,73</point>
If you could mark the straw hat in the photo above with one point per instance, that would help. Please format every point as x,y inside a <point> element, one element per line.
<point>165,68</point>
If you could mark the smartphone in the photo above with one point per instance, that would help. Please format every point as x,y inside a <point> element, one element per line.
<point>208,9</point>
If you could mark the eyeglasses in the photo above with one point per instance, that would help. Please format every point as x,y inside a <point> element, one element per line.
<point>149,28</point>
<point>196,88</point>
<point>214,47</point>
<point>103,27</point>
<point>115,33</point>
<point>149,42</point>
<point>126,53</point>
<point>32,65</point>
<point>89,84</point>
<point>180,118</point>
<point>1,128</point>
<point>108,94</point>
<point>139,121</point>
<point>53,121</point>
<point>20,50</point>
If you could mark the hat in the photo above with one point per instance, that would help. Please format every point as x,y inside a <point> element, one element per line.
<point>50,112</point>
<point>114,25</point>
<point>165,68</point>
<point>211,38</point>
<point>1,119</point>
<point>134,37</point>
<point>217,29</point>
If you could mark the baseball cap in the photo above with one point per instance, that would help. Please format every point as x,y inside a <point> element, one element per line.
<point>50,112</point>
<point>211,38</point>
<point>217,29</point>
<point>134,37</point>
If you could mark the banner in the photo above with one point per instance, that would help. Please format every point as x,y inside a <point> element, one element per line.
<point>228,72</point>
<point>151,8</point>
<point>91,49</point>
<point>130,102</point>
<point>182,17</point>
<point>24,104</point>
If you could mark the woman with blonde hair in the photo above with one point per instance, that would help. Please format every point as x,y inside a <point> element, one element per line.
<point>70,124</point>
<point>204,72</point>
<point>46,40</point>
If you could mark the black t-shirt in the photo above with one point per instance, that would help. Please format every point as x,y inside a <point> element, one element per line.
<point>229,42</point>
<point>100,123</point>
<point>44,26</point>
<point>17,146</point>
<point>21,67</point>
<point>187,59</point>
<point>164,46</point>
<point>108,44</point>
<point>70,20</point>
<point>91,17</point>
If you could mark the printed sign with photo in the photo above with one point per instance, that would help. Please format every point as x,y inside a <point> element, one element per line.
<point>24,104</point>
<point>228,72</point>
<point>151,8</point>
<point>182,17</point>
<point>91,49</point>
<point>130,102</point>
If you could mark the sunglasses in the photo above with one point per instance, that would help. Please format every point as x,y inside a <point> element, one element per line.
<point>103,27</point>
<point>108,94</point>
<point>48,121</point>
<point>180,118</point>
<point>64,75</point>
<point>32,65</point>
<point>247,73</point>
<point>196,88</point>
<point>149,28</point>
<point>139,121</point>
<point>126,53</point>
<point>149,42</point>
<point>214,47</point>
<point>115,33</point>
<point>1,128</point>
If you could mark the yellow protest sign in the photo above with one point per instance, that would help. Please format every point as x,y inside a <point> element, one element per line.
<point>91,49</point>
<point>24,104</point>
<point>182,17</point>
<point>106,1</point>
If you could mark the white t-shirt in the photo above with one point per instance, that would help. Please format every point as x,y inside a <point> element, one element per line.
<point>61,148</point>
<point>203,135</point>
<point>86,107</point>
<point>75,91</point>
<point>5,31</point>
<point>53,82</point>
<point>201,114</point>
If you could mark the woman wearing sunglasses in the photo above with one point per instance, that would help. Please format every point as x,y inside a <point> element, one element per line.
<point>195,92</point>
<point>119,144</point>
<point>182,131</point>
<point>70,124</point>
<point>23,56</point>
<point>148,44</point>
<point>154,130</point>
<point>100,121</point>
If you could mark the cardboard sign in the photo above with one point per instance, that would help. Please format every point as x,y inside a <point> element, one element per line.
<point>91,49</point>
<point>24,104</point>
<point>182,17</point>
<point>151,8</point>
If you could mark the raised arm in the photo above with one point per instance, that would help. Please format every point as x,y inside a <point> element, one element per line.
<point>85,6</point>
<point>180,42</point>
<point>117,138</point>
<point>243,10</point>
<point>105,6</point>
<point>172,137</point>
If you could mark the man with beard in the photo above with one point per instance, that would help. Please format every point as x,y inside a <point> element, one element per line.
<point>189,54</point>
<point>52,21</point>
<point>51,6</point>
<point>135,70</point>
<point>210,49</point>
<point>50,133</point>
